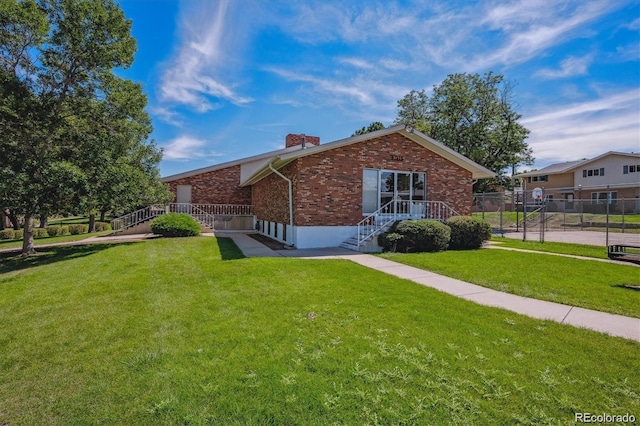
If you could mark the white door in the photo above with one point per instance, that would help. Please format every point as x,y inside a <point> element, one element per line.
<point>183,196</point>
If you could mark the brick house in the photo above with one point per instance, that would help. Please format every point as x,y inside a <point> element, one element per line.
<point>313,195</point>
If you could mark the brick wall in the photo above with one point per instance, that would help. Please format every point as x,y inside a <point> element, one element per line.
<point>293,140</point>
<point>216,187</point>
<point>271,195</point>
<point>328,187</point>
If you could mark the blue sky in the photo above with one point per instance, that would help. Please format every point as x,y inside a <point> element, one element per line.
<point>231,78</point>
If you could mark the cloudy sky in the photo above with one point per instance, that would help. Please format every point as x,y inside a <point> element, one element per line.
<point>230,78</point>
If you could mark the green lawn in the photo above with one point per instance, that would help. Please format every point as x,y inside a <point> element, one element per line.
<point>185,331</point>
<point>52,240</point>
<point>551,247</point>
<point>586,283</point>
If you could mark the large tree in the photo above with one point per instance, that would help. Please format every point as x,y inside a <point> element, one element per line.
<point>473,115</point>
<point>58,119</point>
<point>376,125</point>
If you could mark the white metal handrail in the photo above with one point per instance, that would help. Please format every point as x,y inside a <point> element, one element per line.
<point>402,209</point>
<point>136,217</point>
<point>213,209</point>
<point>203,213</point>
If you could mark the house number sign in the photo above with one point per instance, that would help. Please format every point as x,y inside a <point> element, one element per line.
<point>397,158</point>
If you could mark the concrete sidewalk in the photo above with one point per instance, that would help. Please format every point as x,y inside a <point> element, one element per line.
<point>615,325</point>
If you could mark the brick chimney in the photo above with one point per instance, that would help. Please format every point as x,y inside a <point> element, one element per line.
<point>302,139</point>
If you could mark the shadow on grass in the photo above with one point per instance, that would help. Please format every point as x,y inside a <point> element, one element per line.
<point>11,261</point>
<point>228,249</point>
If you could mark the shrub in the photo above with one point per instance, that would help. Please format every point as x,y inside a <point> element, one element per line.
<point>64,230</point>
<point>102,226</point>
<point>18,234</point>
<point>415,236</point>
<point>54,231</point>
<point>7,234</point>
<point>175,225</point>
<point>468,232</point>
<point>40,233</point>
<point>78,228</point>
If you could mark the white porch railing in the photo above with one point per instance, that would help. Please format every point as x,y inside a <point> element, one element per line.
<point>136,217</point>
<point>203,213</point>
<point>395,210</point>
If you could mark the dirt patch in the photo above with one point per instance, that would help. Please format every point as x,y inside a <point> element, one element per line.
<point>269,242</point>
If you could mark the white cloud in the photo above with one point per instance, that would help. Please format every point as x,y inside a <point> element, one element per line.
<point>588,129</point>
<point>530,28</point>
<point>187,148</point>
<point>168,116</point>
<point>568,68</point>
<point>194,76</point>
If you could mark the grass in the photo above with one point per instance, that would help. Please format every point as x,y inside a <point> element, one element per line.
<point>551,247</point>
<point>52,240</point>
<point>585,283</point>
<point>185,331</point>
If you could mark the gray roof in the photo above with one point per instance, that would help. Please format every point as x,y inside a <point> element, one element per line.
<point>280,158</point>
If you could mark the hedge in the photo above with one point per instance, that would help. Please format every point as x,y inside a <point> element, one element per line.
<point>416,236</point>
<point>7,234</point>
<point>102,226</point>
<point>175,225</point>
<point>76,229</point>
<point>468,232</point>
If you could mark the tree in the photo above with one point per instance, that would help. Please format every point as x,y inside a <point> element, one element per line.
<point>376,125</point>
<point>56,115</point>
<point>474,115</point>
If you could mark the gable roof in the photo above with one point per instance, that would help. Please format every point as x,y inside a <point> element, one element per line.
<point>570,166</point>
<point>264,163</point>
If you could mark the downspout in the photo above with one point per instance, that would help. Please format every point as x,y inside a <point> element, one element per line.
<point>293,234</point>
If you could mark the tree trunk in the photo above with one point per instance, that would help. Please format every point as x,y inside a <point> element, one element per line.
<point>92,223</point>
<point>14,220</point>
<point>27,242</point>
<point>43,221</point>
<point>102,213</point>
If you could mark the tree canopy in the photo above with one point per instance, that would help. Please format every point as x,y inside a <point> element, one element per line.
<point>475,116</point>
<point>72,133</point>
<point>376,125</point>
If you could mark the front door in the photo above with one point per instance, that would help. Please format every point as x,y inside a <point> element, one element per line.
<point>183,197</point>
<point>395,186</point>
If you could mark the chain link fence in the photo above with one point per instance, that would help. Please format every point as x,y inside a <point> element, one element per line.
<point>533,211</point>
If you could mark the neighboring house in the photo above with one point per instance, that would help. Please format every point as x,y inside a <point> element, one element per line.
<point>313,195</point>
<point>589,180</point>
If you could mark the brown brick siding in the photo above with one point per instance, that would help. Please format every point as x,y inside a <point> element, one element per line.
<point>329,184</point>
<point>271,196</point>
<point>216,187</point>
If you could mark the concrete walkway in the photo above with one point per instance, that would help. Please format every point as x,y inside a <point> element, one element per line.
<point>615,325</point>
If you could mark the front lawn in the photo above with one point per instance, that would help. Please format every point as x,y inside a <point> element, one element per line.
<point>586,283</point>
<point>185,331</point>
<point>52,240</point>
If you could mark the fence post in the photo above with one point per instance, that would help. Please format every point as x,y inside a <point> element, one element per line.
<point>623,209</point>
<point>524,216</point>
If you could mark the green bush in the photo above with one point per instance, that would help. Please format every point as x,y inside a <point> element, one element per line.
<point>468,232</point>
<point>7,234</point>
<point>40,233</point>
<point>18,234</point>
<point>64,230</point>
<point>102,226</point>
<point>54,231</point>
<point>78,228</point>
<point>416,236</point>
<point>175,225</point>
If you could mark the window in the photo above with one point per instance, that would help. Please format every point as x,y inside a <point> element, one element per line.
<point>633,168</point>
<point>601,197</point>
<point>543,178</point>
<point>379,187</point>
<point>593,172</point>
